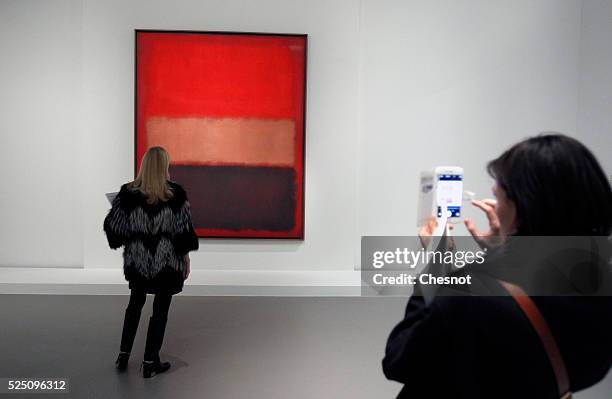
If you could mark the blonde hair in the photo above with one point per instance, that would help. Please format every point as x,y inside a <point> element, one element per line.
<point>152,179</point>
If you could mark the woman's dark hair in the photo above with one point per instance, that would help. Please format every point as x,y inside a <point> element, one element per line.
<point>557,186</point>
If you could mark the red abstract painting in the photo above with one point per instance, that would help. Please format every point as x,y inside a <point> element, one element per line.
<point>230,110</point>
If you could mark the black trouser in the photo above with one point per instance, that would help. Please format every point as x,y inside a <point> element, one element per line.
<point>157,323</point>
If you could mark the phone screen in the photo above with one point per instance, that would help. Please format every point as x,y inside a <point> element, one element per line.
<point>449,195</point>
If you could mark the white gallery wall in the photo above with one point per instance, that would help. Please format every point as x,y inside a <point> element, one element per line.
<point>457,82</point>
<point>40,191</point>
<point>595,90</point>
<point>393,87</point>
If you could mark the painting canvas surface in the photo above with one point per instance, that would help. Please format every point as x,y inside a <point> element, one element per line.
<point>229,109</point>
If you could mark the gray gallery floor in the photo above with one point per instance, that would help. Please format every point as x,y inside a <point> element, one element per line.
<point>220,347</point>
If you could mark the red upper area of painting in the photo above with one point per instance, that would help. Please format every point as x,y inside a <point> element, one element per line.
<point>184,74</point>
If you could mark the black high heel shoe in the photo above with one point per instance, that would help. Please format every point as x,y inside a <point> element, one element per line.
<point>151,368</point>
<point>122,361</point>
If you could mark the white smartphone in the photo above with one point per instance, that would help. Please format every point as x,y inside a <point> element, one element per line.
<point>448,192</point>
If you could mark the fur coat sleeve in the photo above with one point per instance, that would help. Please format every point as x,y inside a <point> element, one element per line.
<point>116,223</point>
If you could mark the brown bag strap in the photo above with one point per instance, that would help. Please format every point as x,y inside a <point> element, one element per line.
<point>548,341</point>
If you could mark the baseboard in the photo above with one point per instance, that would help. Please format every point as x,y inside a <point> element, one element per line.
<point>89,281</point>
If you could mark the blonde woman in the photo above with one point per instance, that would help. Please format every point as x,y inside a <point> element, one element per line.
<point>151,219</point>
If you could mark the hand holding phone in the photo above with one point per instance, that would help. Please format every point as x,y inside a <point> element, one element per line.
<point>493,236</point>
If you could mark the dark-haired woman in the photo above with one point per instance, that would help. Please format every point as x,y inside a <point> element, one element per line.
<point>150,217</point>
<point>547,241</point>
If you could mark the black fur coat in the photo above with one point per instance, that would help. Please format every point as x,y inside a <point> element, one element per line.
<point>155,238</point>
